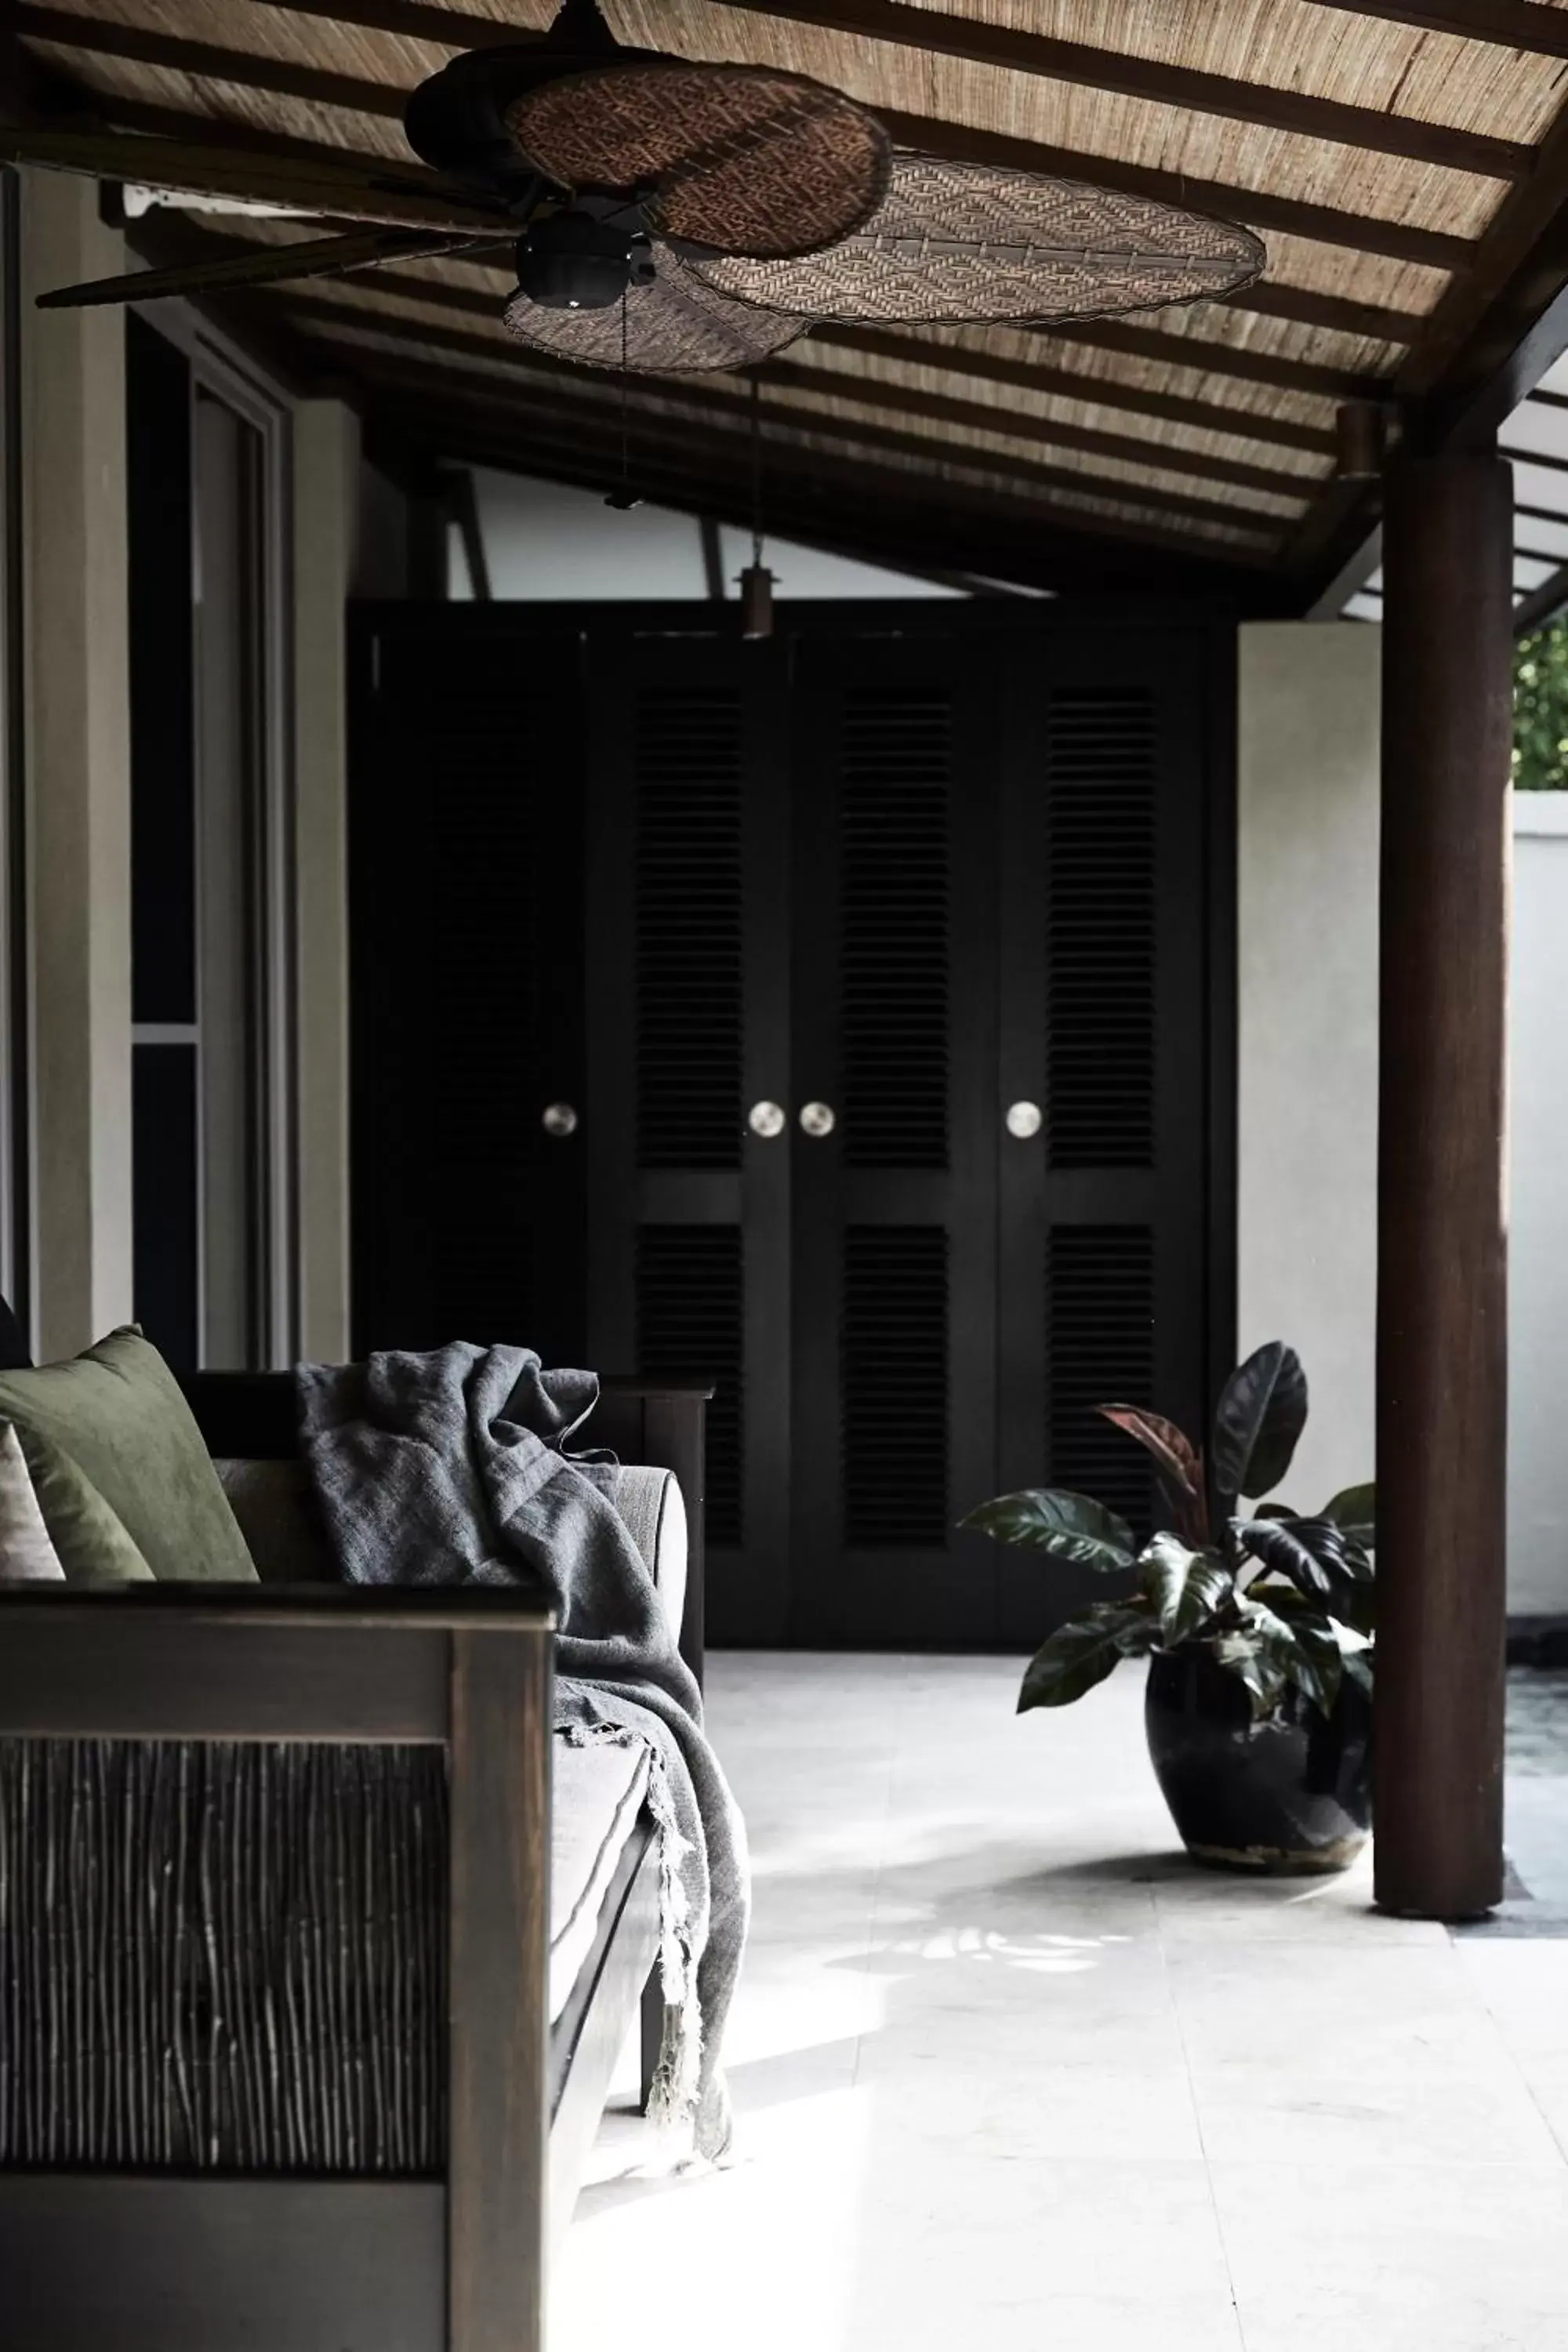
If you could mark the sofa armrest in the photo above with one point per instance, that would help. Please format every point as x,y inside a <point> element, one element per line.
<point>316,1661</point>
<point>251,1415</point>
<point>665,1424</point>
<point>466,1671</point>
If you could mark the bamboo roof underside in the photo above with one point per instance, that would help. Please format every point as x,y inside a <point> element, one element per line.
<point>1406,166</point>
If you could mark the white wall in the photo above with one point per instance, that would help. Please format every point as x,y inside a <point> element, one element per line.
<point>1308,792</point>
<point>1538,1239</point>
<point>545,542</point>
<point>78,769</point>
<point>1307,952</point>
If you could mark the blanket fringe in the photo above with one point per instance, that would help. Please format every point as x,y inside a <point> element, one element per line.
<point>672,2103</point>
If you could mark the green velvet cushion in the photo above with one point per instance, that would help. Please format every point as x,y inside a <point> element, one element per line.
<point>118,1413</point>
<point>91,1542</point>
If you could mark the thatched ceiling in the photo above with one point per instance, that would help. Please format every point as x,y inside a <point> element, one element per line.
<point>1405,164</point>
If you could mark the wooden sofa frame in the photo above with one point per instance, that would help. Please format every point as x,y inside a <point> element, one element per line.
<point>450,2259</point>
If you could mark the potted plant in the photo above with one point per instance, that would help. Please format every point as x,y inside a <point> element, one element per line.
<point>1257,1625</point>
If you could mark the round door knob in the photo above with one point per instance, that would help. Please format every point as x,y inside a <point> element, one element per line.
<point>1024,1119</point>
<point>559,1119</point>
<point>766,1119</point>
<point>818,1118</point>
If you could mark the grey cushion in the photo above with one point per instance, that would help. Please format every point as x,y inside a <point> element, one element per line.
<point>651,1502</point>
<point>597,1792</point>
<point>277,1514</point>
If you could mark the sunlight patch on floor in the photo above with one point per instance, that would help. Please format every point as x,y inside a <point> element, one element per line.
<point>1010,2073</point>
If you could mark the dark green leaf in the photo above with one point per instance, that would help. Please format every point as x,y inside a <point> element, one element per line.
<point>1358,1670</point>
<point>1260,1419</point>
<point>1354,1508</point>
<point>1313,1553</point>
<point>1356,1604</point>
<point>1080,1655</point>
<point>1316,1663</point>
<point>1184,1587</point>
<point>1181,1467</point>
<point>1069,1527</point>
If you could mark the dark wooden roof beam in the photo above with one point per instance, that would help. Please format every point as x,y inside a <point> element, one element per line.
<point>311,309</point>
<point>1520,25</point>
<point>1087,66</point>
<point>1016,424</point>
<point>1207,356</point>
<point>1271,299</point>
<point>1324,224</point>
<point>138,45</point>
<point>1542,604</point>
<point>1078,64</point>
<point>169,240</point>
<point>1011,540</point>
<point>1029,376</point>
<point>1497,329</point>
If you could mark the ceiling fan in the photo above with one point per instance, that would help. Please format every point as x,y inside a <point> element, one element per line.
<point>668,215</point>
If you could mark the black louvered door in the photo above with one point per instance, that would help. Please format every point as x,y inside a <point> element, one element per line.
<point>937,884</point>
<point>1103,928</point>
<point>688,1010</point>
<point>465,900</point>
<point>894,1226</point>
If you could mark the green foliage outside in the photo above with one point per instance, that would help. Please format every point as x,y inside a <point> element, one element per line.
<point>1541,712</point>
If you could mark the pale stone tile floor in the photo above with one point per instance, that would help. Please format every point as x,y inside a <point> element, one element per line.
<point>1011,2076</point>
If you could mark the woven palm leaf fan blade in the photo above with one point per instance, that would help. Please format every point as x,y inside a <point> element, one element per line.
<point>401,196</point>
<point>957,243</point>
<point>741,160</point>
<point>272,265</point>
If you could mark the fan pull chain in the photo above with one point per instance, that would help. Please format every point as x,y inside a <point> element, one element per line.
<point>625,498</point>
<point>756,581</point>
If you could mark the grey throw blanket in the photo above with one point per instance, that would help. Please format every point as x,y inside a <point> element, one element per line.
<point>447,1468</point>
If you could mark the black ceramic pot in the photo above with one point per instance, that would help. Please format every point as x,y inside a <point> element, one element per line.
<point>1291,1794</point>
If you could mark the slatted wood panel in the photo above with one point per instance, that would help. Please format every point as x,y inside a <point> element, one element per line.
<point>895,941</point>
<point>1100,1312</point>
<point>690,927</point>
<point>690,1325</point>
<point>296,1898</point>
<point>894,1343</point>
<point>1102,949</point>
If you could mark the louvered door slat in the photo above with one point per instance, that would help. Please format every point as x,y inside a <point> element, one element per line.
<point>1102,769</point>
<point>894,1335</point>
<point>895,938</point>
<point>487,887</point>
<point>1100,1323</point>
<point>689,1312</point>
<point>689,950</point>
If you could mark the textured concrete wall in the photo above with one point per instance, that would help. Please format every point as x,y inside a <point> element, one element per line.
<point>1307,949</point>
<point>79,769</point>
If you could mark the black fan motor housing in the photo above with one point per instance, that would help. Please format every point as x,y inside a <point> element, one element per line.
<point>576,261</point>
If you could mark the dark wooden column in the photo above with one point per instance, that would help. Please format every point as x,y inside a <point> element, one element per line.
<point>1442,1367</point>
